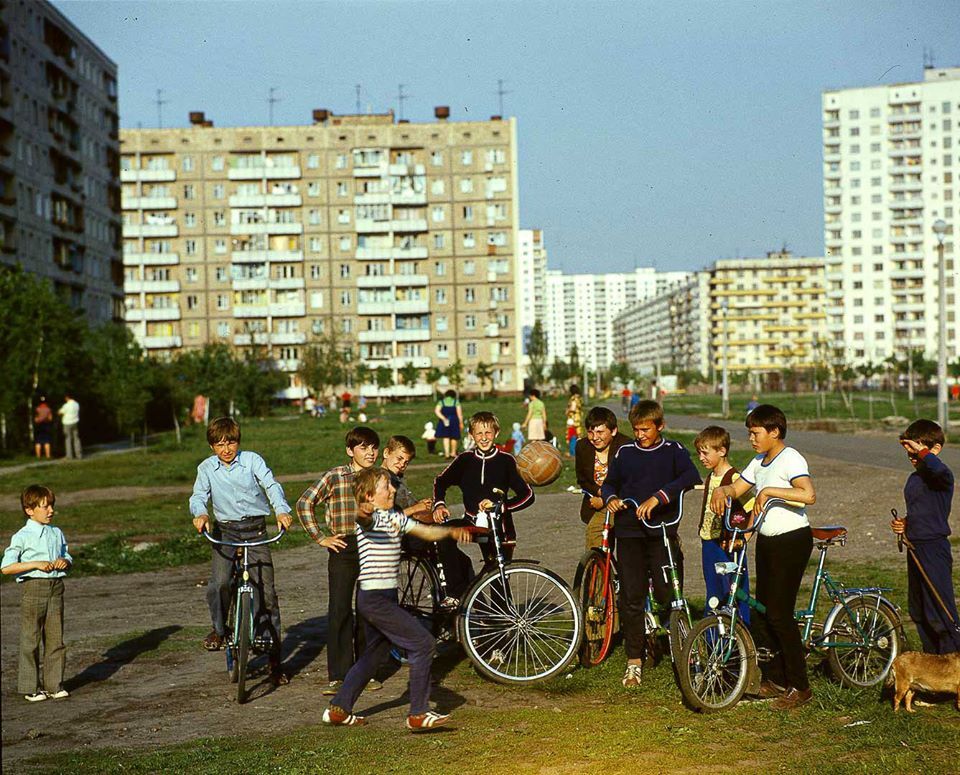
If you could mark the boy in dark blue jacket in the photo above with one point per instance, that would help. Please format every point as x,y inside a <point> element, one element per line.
<point>928,493</point>
<point>653,472</point>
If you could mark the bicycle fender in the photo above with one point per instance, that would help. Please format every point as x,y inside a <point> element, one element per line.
<point>875,599</point>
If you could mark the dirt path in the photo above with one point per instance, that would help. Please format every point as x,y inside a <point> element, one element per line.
<point>139,678</point>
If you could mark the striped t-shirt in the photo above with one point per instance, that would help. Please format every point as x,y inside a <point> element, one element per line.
<point>379,547</point>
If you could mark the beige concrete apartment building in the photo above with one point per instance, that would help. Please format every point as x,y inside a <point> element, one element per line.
<point>399,237</point>
<point>59,195</point>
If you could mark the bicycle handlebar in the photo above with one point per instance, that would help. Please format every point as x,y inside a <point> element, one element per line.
<point>661,523</point>
<point>242,544</point>
<point>771,502</point>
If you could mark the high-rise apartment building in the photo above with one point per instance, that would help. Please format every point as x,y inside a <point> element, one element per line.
<point>59,195</point>
<point>580,309</point>
<point>398,237</point>
<point>891,155</point>
<point>532,269</point>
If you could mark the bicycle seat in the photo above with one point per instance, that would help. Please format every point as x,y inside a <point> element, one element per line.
<point>829,534</point>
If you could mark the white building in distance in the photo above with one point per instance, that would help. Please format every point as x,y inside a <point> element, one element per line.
<point>890,156</point>
<point>531,279</point>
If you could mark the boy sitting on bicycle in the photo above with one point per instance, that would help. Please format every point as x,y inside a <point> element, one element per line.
<point>386,624</point>
<point>242,490</point>
<point>784,545</point>
<point>478,472</point>
<point>653,472</point>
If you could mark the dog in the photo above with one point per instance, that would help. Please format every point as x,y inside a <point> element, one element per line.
<point>915,671</point>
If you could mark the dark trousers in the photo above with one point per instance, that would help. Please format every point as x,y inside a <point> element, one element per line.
<point>457,566</point>
<point>41,622</point>
<point>343,567</point>
<point>719,586</point>
<point>221,589</point>
<point>937,634</point>
<point>386,624</point>
<point>781,561</point>
<point>640,561</point>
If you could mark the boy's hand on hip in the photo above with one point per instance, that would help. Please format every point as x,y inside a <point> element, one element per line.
<point>200,523</point>
<point>646,508</point>
<point>898,526</point>
<point>334,543</point>
<point>284,521</point>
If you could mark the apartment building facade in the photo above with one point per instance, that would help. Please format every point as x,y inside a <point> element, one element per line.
<point>891,155</point>
<point>399,238</point>
<point>59,194</point>
<point>532,269</point>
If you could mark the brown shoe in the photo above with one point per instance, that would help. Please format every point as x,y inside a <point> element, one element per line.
<point>213,642</point>
<point>793,698</point>
<point>278,677</point>
<point>770,690</point>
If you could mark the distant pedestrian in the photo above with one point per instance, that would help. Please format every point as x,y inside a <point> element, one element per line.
<point>625,399</point>
<point>450,414</point>
<point>536,420</point>
<point>310,406</point>
<point>753,403</point>
<point>429,435</point>
<point>70,417</point>
<point>42,428</point>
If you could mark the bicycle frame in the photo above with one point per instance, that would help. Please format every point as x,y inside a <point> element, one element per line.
<point>669,570</point>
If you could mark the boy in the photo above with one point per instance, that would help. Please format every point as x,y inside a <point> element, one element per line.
<point>713,446</point>
<point>592,460</point>
<point>477,473</point>
<point>928,493</point>
<point>242,490</point>
<point>38,555</point>
<point>784,545</point>
<point>457,568</point>
<point>386,624</point>
<point>653,472</point>
<point>336,533</point>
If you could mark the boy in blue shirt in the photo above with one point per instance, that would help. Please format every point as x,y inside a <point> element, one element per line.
<point>38,556</point>
<point>653,472</point>
<point>242,490</point>
<point>927,493</point>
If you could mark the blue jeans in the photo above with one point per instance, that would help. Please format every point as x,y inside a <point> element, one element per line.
<point>719,586</point>
<point>386,625</point>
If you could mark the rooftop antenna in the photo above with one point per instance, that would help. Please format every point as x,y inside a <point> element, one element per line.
<point>160,101</point>
<point>358,88</point>
<point>400,100</point>
<point>928,58</point>
<point>271,101</point>
<point>500,92</point>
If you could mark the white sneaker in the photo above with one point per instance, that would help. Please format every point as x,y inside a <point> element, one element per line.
<point>632,677</point>
<point>38,697</point>
<point>60,695</point>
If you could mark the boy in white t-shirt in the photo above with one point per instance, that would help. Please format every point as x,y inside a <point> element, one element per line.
<point>784,545</point>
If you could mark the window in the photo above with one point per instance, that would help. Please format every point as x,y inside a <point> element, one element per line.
<point>187,164</point>
<point>499,293</point>
<point>313,217</point>
<point>313,188</point>
<point>468,212</point>
<point>471,348</point>
<point>441,295</point>
<point>223,330</point>
<point>346,325</point>
<point>466,158</point>
<point>440,268</point>
<point>438,240</point>
<point>219,218</point>
<point>313,161</point>
<point>497,238</point>
<point>189,191</point>
<point>342,188</point>
<point>345,243</point>
<point>221,274</point>
<point>316,245</point>
<point>190,219</point>
<point>441,322</point>
<point>191,274</point>
<point>344,270</point>
<point>316,299</point>
<point>344,298</point>
<point>191,247</point>
<point>469,295</point>
<point>341,163</point>
<point>316,271</point>
<point>470,322</point>
<point>466,185</point>
<point>496,156</point>
<point>469,267</point>
<point>217,163</point>
<point>343,216</point>
<point>191,302</point>
<point>443,350</point>
<point>218,191</point>
<point>437,187</point>
<point>222,301</point>
<point>220,246</point>
<point>436,158</point>
<point>437,214</point>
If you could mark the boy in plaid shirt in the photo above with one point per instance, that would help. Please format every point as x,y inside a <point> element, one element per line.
<point>335,532</point>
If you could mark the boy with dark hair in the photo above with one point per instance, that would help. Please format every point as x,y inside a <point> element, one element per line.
<point>335,532</point>
<point>477,473</point>
<point>654,472</point>
<point>38,556</point>
<point>242,490</point>
<point>928,493</point>
<point>592,460</point>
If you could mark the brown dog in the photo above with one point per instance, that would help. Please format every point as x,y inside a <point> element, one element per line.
<point>915,671</point>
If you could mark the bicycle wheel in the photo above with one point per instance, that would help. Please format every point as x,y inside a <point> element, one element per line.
<point>715,664</point>
<point>598,605</point>
<point>245,625</point>
<point>524,633</point>
<point>419,593</point>
<point>863,660</point>
<point>679,629</point>
<point>230,648</point>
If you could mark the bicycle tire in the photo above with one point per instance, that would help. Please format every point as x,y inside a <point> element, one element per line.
<point>677,634</point>
<point>245,625</point>
<point>867,664</point>
<point>716,667</point>
<point>230,648</point>
<point>523,634</point>
<point>598,607</point>
<point>419,594</point>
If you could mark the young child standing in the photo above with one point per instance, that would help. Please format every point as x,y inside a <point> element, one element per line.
<point>713,446</point>
<point>38,556</point>
<point>386,624</point>
<point>429,435</point>
<point>242,490</point>
<point>783,549</point>
<point>335,531</point>
<point>928,493</point>
<point>654,472</point>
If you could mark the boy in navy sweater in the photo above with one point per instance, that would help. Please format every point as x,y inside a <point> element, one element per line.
<point>928,493</point>
<point>653,472</point>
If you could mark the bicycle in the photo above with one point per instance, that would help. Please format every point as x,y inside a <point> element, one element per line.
<point>240,635</point>
<point>861,633</point>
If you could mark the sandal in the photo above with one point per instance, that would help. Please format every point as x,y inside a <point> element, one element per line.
<point>427,720</point>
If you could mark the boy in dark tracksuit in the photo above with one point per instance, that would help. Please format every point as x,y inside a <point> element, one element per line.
<point>928,493</point>
<point>653,472</point>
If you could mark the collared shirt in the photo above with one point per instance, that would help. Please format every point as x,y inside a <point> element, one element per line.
<point>37,543</point>
<point>245,488</point>
<point>335,490</point>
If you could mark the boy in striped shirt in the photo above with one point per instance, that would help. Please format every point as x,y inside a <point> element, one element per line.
<point>380,527</point>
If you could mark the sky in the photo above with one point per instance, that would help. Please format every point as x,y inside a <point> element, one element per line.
<point>664,134</point>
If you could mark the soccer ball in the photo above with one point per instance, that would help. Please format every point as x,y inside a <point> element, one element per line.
<point>539,463</point>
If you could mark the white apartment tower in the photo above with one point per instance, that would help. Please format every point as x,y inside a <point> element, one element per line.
<point>890,157</point>
<point>532,274</point>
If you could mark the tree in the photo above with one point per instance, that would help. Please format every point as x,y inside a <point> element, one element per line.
<point>409,374</point>
<point>484,372</point>
<point>384,377</point>
<point>575,367</point>
<point>121,375</point>
<point>559,372</point>
<point>537,352</point>
<point>362,374</point>
<point>434,375</point>
<point>454,372</point>
<point>259,381</point>
<point>325,363</point>
<point>620,371</point>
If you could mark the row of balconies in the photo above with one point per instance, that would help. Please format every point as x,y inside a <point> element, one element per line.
<point>276,283</point>
<point>151,286</point>
<point>262,256</point>
<point>290,309</point>
<point>148,202</point>
<point>137,314</point>
<point>389,281</point>
<point>147,176</point>
<point>135,230</point>
<point>391,252</point>
<point>238,229</point>
<point>150,259</point>
<point>407,307</point>
<point>263,173</point>
<point>370,226</point>
<point>264,338</point>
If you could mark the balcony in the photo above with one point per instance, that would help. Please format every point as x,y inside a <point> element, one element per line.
<point>249,284</point>
<point>290,364</point>
<point>908,274</point>
<point>137,315</point>
<point>266,200</point>
<point>147,176</point>
<point>831,156</point>
<point>410,280</point>
<point>150,230</point>
<point>262,283</point>
<point>833,191</point>
<point>288,283</point>
<point>262,256</point>
<point>420,361</point>
<point>409,198</point>
<point>290,309</point>
<point>151,259</point>
<point>833,209</point>
<point>151,286</point>
<point>264,338</point>
<point>905,169</point>
<point>410,224</point>
<point>401,335</point>
<point>380,198</point>
<point>410,307</point>
<point>265,228</point>
<point>370,226</point>
<point>161,342</point>
<point>491,329</point>
<point>263,173</point>
<point>149,203</point>
<point>913,203</point>
<point>416,252</point>
<point>374,253</point>
<point>375,171</point>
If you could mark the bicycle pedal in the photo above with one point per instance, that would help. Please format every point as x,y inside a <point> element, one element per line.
<point>765,654</point>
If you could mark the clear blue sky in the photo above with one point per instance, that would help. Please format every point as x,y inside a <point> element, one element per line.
<point>651,133</point>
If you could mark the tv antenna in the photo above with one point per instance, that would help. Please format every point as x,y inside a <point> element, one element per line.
<point>358,88</point>
<point>500,93</point>
<point>401,97</point>
<point>160,102</point>
<point>928,57</point>
<point>271,101</point>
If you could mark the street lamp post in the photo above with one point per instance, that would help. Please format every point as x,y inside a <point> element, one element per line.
<point>725,390</point>
<point>940,229</point>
